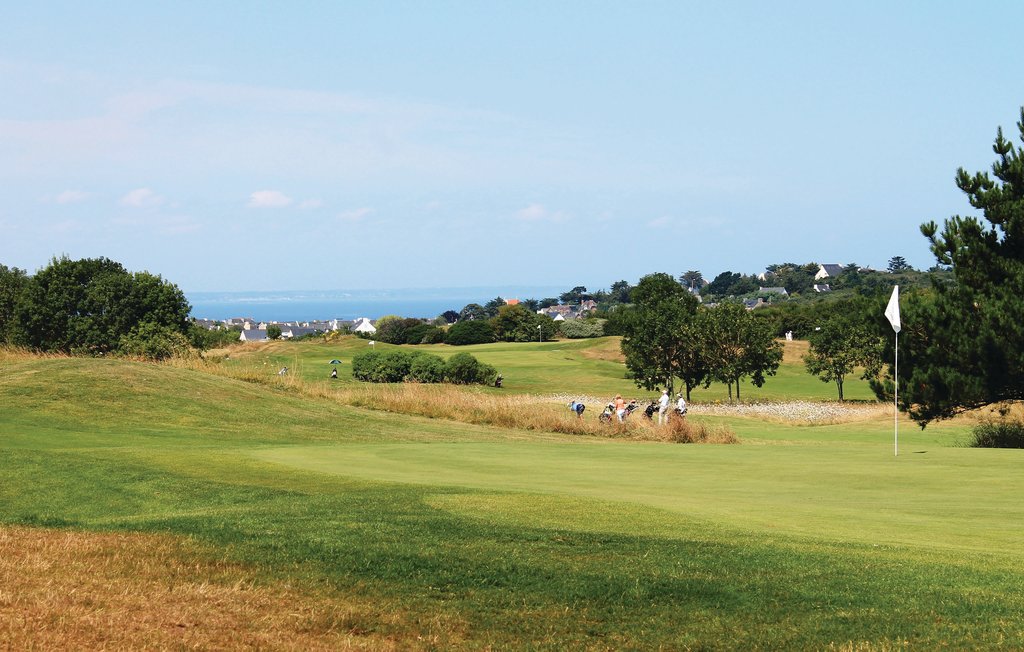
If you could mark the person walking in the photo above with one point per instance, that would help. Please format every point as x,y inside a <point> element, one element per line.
<point>680,405</point>
<point>620,407</point>
<point>663,407</point>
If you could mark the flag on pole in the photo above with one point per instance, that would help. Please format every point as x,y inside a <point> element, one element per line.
<point>892,311</point>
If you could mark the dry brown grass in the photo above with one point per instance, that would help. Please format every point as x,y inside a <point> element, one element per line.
<point>609,350</point>
<point>685,431</point>
<point>520,412</point>
<point>793,352</point>
<point>87,591</point>
<point>15,354</point>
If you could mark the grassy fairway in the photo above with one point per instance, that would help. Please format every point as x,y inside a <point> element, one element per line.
<point>583,367</point>
<point>424,533</point>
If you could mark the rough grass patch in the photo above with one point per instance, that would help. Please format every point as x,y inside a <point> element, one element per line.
<point>685,431</point>
<point>78,590</point>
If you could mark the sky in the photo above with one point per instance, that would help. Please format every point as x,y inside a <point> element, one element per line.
<point>234,146</point>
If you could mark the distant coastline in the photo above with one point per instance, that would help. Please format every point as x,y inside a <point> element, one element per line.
<point>349,304</point>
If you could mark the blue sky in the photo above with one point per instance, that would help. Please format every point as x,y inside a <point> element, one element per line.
<point>320,145</point>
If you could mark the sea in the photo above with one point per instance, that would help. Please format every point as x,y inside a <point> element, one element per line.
<point>284,306</point>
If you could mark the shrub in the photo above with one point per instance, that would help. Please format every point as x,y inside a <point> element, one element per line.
<point>416,334</point>
<point>580,328</point>
<point>204,338</point>
<point>393,366</point>
<point>154,342</point>
<point>464,369</point>
<point>486,374</point>
<point>381,366</point>
<point>363,365</point>
<point>426,368</point>
<point>435,336</point>
<point>470,332</point>
<point>998,434</point>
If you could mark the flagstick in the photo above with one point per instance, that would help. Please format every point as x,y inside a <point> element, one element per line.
<point>895,399</point>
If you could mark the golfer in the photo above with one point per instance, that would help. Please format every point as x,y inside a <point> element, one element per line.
<point>663,407</point>
<point>577,407</point>
<point>620,407</point>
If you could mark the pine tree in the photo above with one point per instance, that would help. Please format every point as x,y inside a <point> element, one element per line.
<point>966,347</point>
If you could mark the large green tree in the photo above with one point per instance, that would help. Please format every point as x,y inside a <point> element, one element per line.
<point>12,283</point>
<point>574,296</point>
<point>738,345</point>
<point>654,333</point>
<point>692,279</point>
<point>520,324</point>
<point>88,305</point>
<point>692,364</point>
<point>839,347</point>
<point>963,346</point>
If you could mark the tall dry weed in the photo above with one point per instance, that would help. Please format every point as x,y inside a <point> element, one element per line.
<point>18,354</point>
<point>519,411</point>
<point>685,431</point>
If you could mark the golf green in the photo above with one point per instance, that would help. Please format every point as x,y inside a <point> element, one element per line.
<point>840,492</point>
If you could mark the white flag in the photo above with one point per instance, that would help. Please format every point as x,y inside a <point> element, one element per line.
<point>892,311</point>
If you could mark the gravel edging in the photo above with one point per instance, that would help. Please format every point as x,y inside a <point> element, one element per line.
<point>805,411</point>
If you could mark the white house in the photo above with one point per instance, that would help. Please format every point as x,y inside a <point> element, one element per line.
<point>826,270</point>
<point>253,335</point>
<point>364,325</point>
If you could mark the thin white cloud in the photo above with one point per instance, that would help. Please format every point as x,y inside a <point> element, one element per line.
<point>141,198</point>
<point>177,225</point>
<point>354,215</point>
<point>664,220</point>
<point>72,197</point>
<point>161,225</point>
<point>539,213</point>
<point>310,204</point>
<point>269,199</point>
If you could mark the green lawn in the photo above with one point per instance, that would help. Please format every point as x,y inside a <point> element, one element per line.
<point>800,537</point>
<point>560,367</point>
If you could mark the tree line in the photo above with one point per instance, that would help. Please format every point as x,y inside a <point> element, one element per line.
<point>667,335</point>
<point>93,306</point>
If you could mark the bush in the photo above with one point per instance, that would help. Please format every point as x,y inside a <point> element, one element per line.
<point>579,328</point>
<point>416,366</point>
<point>363,365</point>
<point>154,342</point>
<point>381,366</point>
<point>435,336</point>
<point>998,434</point>
<point>416,334</point>
<point>486,374</point>
<point>204,338</point>
<point>426,368</point>
<point>470,332</point>
<point>464,369</point>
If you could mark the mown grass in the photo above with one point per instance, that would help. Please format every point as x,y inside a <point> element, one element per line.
<point>582,367</point>
<point>421,533</point>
